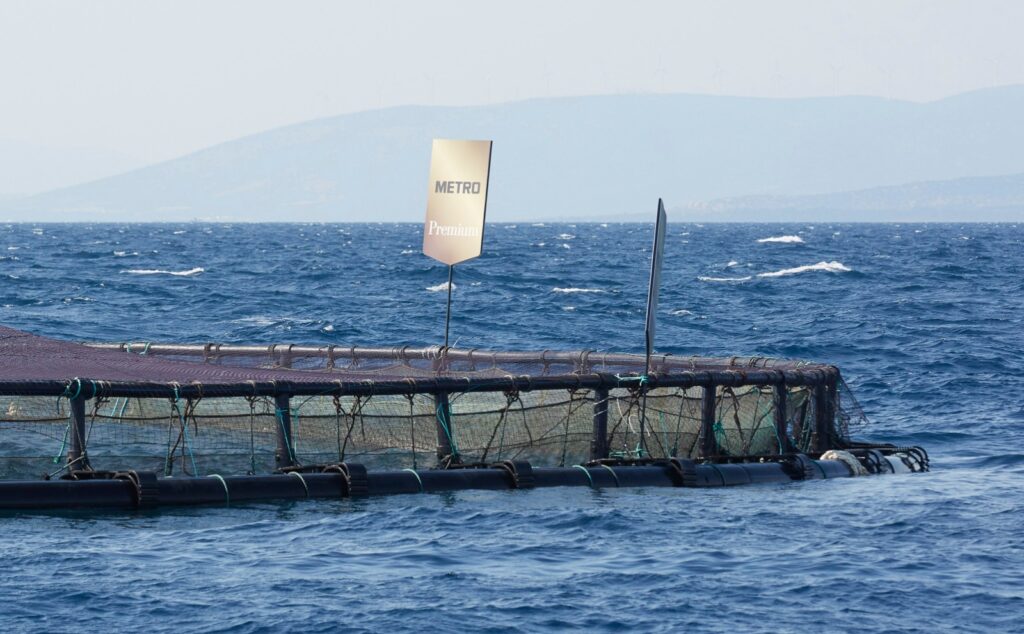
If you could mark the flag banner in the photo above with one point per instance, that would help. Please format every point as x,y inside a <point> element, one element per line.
<point>457,200</point>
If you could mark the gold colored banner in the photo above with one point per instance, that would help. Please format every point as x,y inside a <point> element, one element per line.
<point>457,200</point>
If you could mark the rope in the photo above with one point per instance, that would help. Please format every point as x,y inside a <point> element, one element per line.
<point>67,430</point>
<point>590,478</point>
<point>252,434</point>
<point>183,434</point>
<point>279,413</point>
<point>357,410</point>
<point>301,479</point>
<point>612,471</point>
<point>227,494</point>
<point>565,436</point>
<point>447,432</point>
<point>412,432</point>
<point>78,389</point>
<point>642,379</point>
<point>64,441</point>
<point>337,425</point>
<point>822,469</point>
<point>418,479</point>
<point>510,397</point>
<point>721,475</point>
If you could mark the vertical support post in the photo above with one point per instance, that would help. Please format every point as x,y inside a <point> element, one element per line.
<point>822,418</point>
<point>78,459</point>
<point>599,441</point>
<point>781,394</point>
<point>284,455</point>
<point>446,448</point>
<point>708,444</point>
<point>799,423</point>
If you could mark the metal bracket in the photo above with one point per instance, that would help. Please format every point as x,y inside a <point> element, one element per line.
<point>147,487</point>
<point>520,473</point>
<point>683,472</point>
<point>353,475</point>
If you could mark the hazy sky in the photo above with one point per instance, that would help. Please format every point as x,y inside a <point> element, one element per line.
<point>155,80</point>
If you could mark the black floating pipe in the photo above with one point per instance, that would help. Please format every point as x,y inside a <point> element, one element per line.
<point>708,446</point>
<point>599,441</point>
<point>284,454</point>
<point>78,459</point>
<point>306,385</point>
<point>124,493</point>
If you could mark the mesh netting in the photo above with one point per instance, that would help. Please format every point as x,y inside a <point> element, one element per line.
<point>239,435</point>
<point>200,409</point>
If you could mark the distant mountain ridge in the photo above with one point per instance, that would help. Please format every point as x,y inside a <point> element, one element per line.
<point>571,158</point>
<point>991,199</point>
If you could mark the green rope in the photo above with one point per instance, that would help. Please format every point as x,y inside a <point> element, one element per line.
<point>78,389</point>
<point>279,413</point>
<point>719,433</point>
<point>590,478</point>
<point>612,471</point>
<point>447,431</point>
<point>64,441</point>
<point>642,379</point>
<point>114,406</point>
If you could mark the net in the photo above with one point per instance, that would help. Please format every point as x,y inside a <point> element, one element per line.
<point>201,409</point>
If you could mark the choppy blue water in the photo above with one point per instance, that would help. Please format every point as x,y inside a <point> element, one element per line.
<point>924,320</point>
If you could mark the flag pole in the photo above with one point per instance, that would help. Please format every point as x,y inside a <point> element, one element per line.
<point>448,313</point>
<point>657,254</point>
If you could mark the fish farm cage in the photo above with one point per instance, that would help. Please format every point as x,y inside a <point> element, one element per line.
<point>145,424</point>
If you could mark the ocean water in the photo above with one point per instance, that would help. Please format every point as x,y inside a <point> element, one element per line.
<point>924,320</point>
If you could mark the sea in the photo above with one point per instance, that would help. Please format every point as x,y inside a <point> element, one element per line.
<point>925,321</point>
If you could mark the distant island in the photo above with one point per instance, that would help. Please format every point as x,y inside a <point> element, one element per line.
<point>599,158</point>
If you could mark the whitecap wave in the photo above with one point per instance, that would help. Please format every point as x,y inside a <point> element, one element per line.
<point>573,289</point>
<point>188,273</point>
<point>680,312</point>
<point>783,239</point>
<point>704,278</point>
<point>443,286</point>
<point>732,263</point>
<point>830,267</point>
